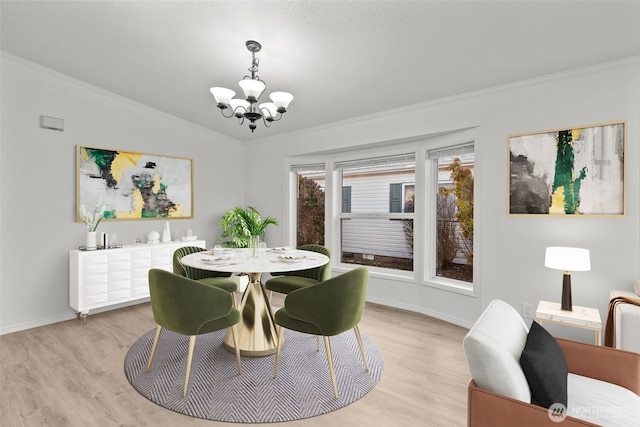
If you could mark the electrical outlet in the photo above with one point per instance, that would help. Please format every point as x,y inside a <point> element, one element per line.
<point>527,310</point>
<point>368,256</point>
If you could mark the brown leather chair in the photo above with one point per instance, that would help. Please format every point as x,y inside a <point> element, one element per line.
<point>488,409</point>
<point>602,383</point>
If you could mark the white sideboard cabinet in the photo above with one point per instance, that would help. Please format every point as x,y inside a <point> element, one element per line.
<point>107,277</point>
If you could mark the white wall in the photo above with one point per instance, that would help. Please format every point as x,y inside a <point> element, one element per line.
<point>38,182</point>
<point>509,250</point>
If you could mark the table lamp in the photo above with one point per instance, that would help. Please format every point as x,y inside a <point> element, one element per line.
<point>567,260</point>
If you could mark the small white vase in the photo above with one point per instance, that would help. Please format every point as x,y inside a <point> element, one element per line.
<point>91,240</point>
<point>166,234</point>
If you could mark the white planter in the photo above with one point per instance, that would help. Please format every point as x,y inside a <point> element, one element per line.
<point>91,240</point>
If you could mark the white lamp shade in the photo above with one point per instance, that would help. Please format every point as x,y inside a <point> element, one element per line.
<point>222,94</point>
<point>281,99</point>
<point>252,88</point>
<point>239,106</point>
<point>567,259</point>
<point>269,109</point>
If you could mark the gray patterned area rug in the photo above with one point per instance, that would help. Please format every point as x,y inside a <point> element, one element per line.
<point>216,392</point>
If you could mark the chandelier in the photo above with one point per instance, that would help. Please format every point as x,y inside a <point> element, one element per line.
<point>253,89</point>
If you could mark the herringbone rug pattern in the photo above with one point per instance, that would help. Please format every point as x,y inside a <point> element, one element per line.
<point>216,391</point>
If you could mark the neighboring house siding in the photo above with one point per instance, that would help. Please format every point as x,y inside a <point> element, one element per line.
<point>370,194</point>
<point>374,236</point>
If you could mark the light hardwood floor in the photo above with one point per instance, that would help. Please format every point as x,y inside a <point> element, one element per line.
<point>70,374</point>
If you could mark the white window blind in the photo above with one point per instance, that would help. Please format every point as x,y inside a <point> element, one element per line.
<point>457,150</point>
<point>399,160</point>
<point>308,168</point>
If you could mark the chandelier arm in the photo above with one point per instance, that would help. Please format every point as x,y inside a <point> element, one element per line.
<point>267,122</point>
<point>222,110</point>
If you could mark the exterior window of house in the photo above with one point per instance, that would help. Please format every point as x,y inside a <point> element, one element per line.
<point>401,197</point>
<point>376,219</point>
<point>310,204</point>
<point>346,199</point>
<point>453,191</point>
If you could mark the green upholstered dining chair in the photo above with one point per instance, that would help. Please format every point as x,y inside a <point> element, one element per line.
<point>289,281</point>
<point>215,278</point>
<point>327,308</point>
<point>191,308</point>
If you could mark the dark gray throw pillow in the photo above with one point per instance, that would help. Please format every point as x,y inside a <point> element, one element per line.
<point>545,368</point>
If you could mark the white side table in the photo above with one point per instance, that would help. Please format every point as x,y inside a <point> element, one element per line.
<point>579,317</point>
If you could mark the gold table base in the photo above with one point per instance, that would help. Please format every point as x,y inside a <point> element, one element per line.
<point>257,334</point>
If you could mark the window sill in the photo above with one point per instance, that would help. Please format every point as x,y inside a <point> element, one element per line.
<point>397,275</point>
<point>457,286</point>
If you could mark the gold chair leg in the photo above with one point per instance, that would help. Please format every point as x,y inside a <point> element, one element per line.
<point>233,296</point>
<point>356,329</point>
<point>153,347</point>
<point>269,295</point>
<point>327,346</point>
<point>280,332</point>
<point>192,345</point>
<point>234,332</point>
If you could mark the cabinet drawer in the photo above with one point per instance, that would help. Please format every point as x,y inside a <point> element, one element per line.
<point>120,276</point>
<point>118,257</point>
<point>119,295</point>
<point>160,254</point>
<point>140,292</point>
<point>89,301</point>
<point>141,264</point>
<point>95,280</point>
<point>119,266</point>
<point>115,285</point>
<point>94,260</point>
<point>140,282</point>
<point>91,291</point>
<point>94,270</point>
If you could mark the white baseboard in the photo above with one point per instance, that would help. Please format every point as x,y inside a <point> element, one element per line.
<point>36,323</point>
<point>435,314</point>
<point>64,317</point>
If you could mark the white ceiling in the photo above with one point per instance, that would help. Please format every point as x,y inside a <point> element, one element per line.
<point>340,59</point>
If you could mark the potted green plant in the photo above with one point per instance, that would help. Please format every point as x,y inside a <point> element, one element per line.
<point>243,228</point>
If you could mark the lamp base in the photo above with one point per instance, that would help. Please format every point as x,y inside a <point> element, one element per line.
<point>566,292</point>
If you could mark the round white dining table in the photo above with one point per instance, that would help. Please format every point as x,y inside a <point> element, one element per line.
<point>257,334</point>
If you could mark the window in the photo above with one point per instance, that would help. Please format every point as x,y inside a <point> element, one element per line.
<point>346,199</point>
<point>376,217</point>
<point>454,212</point>
<point>310,204</point>
<point>401,197</point>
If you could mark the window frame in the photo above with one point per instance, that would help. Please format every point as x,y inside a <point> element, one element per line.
<point>364,159</point>
<point>430,260</point>
<point>293,170</point>
<point>424,206</point>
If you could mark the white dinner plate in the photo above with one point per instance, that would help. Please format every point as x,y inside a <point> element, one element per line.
<point>216,260</point>
<point>291,258</point>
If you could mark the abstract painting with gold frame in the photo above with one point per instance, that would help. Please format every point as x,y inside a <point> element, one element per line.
<point>129,185</point>
<point>571,171</point>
